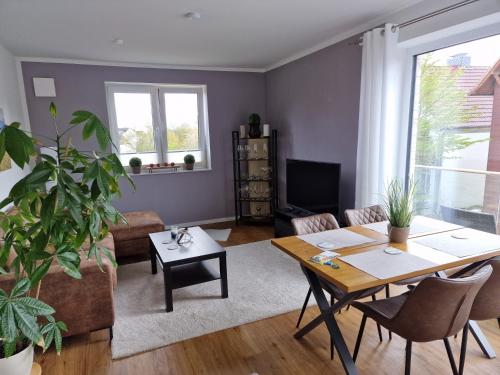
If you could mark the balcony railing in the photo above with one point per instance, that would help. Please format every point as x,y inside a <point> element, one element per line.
<point>467,189</point>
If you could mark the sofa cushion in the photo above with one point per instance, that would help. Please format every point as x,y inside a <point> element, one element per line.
<point>139,225</point>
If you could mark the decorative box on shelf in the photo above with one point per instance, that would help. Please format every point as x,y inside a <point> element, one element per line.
<point>255,176</point>
<point>156,167</point>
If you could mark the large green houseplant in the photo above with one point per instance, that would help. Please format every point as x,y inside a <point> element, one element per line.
<point>64,202</point>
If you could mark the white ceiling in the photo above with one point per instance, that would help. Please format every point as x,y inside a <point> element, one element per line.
<point>231,33</point>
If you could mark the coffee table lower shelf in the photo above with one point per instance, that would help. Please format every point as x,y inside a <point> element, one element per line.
<point>192,274</point>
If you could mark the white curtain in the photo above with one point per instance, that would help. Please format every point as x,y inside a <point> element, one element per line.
<point>383,115</point>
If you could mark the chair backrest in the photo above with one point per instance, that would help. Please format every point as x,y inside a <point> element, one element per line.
<point>438,307</point>
<point>366,215</point>
<point>487,303</point>
<point>314,224</point>
<point>471,219</point>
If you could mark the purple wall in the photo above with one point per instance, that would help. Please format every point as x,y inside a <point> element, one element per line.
<point>181,197</point>
<point>314,102</point>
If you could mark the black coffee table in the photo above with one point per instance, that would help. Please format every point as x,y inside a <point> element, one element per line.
<point>185,266</point>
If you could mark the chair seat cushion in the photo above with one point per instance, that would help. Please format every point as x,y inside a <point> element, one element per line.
<point>339,293</point>
<point>139,225</point>
<point>386,308</point>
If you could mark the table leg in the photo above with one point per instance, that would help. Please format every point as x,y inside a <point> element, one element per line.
<point>167,281</point>
<point>223,276</point>
<point>332,310</point>
<point>152,254</point>
<point>331,323</point>
<point>481,340</point>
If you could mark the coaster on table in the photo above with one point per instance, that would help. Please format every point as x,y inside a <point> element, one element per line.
<point>326,245</point>
<point>392,251</point>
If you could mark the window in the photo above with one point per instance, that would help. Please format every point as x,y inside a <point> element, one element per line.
<point>455,144</point>
<point>159,123</point>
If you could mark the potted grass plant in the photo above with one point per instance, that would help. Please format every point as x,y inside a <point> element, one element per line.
<point>399,209</point>
<point>63,203</point>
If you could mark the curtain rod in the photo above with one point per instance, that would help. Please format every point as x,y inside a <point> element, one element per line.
<point>424,17</point>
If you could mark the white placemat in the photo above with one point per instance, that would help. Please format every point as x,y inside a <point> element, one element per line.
<point>420,224</point>
<point>462,243</point>
<point>339,238</point>
<point>381,265</point>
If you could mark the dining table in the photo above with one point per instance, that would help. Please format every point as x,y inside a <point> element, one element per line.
<point>433,247</point>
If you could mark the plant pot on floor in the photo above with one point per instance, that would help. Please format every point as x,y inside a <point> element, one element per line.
<point>19,363</point>
<point>398,235</point>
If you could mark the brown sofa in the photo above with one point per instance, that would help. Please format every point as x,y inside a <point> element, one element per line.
<point>85,305</point>
<point>132,239</point>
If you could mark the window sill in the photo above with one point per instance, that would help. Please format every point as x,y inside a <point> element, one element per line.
<point>163,172</point>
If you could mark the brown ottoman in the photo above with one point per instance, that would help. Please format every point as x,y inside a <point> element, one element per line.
<point>132,239</point>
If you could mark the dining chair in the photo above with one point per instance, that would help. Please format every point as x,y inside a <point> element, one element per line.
<point>486,306</point>
<point>365,215</point>
<point>375,214</point>
<point>321,223</point>
<point>435,309</point>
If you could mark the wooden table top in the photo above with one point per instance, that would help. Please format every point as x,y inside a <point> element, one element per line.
<point>351,279</point>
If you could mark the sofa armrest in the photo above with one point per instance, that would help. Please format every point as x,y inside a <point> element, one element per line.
<point>85,305</point>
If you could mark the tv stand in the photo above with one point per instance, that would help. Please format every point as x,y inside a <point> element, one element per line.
<point>283,220</point>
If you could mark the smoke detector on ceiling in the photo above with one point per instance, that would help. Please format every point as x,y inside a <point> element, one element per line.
<point>192,15</point>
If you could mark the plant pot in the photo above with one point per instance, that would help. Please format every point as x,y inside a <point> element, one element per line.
<point>19,363</point>
<point>188,167</point>
<point>136,170</point>
<point>254,131</point>
<point>399,235</point>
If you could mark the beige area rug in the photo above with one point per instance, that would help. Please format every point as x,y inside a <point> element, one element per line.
<point>263,282</point>
<point>219,234</point>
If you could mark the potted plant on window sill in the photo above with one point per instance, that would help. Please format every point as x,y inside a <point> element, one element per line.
<point>64,202</point>
<point>189,161</point>
<point>399,210</point>
<point>135,165</point>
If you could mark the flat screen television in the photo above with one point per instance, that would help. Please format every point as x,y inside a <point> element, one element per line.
<point>313,186</point>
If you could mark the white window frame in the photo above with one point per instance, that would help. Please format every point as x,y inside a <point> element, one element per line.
<point>158,114</point>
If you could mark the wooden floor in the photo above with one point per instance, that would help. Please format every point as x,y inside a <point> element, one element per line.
<point>266,347</point>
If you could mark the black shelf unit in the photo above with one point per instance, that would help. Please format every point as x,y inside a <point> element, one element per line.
<point>242,204</point>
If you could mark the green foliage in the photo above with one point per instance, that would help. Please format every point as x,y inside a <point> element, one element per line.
<point>64,202</point>
<point>254,119</point>
<point>183,138</point>
<point>135,162</point>
<point>180,138</point>
<point>189,159</point>
<point>138,141</point>
<point>398,203</point>
<point>440,110</point>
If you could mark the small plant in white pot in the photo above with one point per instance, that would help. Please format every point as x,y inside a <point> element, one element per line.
<point>399,210</point>
<point>135,165</point>
<point>189,161</point>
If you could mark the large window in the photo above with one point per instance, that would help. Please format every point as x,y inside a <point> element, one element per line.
<point>455,148</point>
<point>159,123</point>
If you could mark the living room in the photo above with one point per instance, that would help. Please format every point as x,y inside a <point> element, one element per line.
<point>185,186</point>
